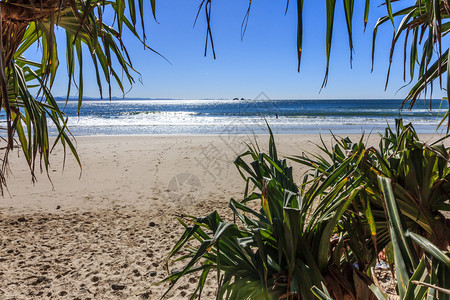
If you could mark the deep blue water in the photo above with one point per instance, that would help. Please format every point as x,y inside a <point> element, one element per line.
<point>245,116</point>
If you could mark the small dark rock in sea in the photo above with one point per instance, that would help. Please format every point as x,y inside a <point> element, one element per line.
<point>118,287</point>
<point>40,279</point>
<point>153,274</point>
<point>152,224</point>
<point>21,219</point>
<point>58,206</point>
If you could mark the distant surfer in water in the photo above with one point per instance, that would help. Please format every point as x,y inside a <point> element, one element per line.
<point>276,116</point>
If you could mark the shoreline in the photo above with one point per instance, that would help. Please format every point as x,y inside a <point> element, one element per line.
<point>181,135</point>
<point>420,129</point>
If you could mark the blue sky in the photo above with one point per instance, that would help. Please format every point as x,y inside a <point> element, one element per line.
<point>266,60</point>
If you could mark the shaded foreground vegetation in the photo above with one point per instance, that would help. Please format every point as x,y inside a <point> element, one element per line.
<point>321,238</point>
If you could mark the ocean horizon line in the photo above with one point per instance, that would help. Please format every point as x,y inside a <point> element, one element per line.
<point>115,98</point>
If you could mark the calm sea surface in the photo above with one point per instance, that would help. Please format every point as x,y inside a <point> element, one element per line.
<point>135,117</point>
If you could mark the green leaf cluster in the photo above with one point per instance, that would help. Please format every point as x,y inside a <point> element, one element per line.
<point>25,86</point>
<point>322,238</point>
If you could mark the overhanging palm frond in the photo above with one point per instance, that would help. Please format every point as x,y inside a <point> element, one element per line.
<point>422,18</point>
<point>27,23</point>
<point>427,21</point>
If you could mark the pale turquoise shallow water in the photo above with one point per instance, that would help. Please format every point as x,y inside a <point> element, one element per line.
<point>136,117</point>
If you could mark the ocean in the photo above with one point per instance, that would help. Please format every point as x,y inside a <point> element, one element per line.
<point>185,117</point>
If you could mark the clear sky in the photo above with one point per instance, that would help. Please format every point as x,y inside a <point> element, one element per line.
<point>266,60</point>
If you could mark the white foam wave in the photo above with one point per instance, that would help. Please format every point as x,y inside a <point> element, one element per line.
<point>187,119</point>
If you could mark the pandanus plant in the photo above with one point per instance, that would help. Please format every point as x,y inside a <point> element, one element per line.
<point>285,248</point>
<point>419,172</point>
<point>421,268</point>
<point>282,250</point>
<point>419,276</point>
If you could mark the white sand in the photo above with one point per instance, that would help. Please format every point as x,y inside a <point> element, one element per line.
<point>101,235</point>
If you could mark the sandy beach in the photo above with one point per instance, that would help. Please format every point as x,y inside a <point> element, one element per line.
<point>103,231</point>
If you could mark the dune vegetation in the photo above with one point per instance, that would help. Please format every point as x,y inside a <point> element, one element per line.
<point>321,238</point>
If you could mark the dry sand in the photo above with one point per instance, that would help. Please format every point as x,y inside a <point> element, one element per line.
<point>77,237</point>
